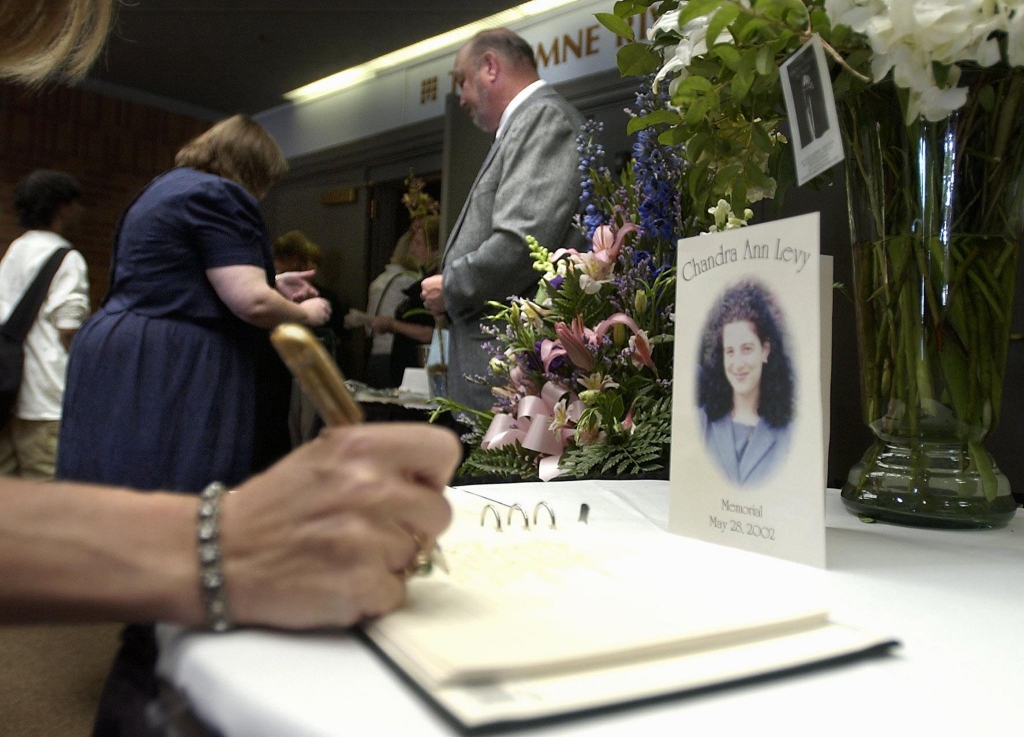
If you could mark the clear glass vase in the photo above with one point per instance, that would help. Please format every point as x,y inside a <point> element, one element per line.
<point>935,217</point>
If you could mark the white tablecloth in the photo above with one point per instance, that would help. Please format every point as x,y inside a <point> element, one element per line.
<point>955,599</point>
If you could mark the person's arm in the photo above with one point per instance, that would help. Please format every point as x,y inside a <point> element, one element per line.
<point>540,157</point>
<point>87,553</point>
<point>68,298</point>
<point>320,539</point>
<point>388,324</point>
<point>245,291</point>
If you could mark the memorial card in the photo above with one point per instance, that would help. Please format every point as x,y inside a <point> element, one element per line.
<point>811,106</point>
<point>748,455</point>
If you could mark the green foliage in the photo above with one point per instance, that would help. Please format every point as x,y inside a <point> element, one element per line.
<point>636,59</point>
<point>727,105</point>
<point>642,449</point>
<point>510,460</point>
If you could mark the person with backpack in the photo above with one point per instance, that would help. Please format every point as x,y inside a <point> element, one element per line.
<point>48,204</point>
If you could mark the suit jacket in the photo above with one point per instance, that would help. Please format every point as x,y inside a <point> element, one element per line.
<point>527,185</point>
<point>767,447</point>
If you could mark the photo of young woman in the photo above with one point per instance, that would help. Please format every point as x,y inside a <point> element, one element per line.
<point>745,387</point>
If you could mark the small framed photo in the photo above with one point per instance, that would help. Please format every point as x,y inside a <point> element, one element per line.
<point>811,106</point>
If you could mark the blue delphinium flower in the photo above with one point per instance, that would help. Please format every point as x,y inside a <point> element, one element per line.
<point>657,171</point>
<point>591,158</point>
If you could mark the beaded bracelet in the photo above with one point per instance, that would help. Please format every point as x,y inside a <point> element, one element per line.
<point>211,575</point>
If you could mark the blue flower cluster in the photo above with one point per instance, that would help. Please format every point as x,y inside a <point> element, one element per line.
<point>591,163</point>
<point>657,171</point>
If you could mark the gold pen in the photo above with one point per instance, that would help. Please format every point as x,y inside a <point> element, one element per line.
<point>321,379</point>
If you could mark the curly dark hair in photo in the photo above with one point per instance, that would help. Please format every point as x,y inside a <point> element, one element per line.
<point>39,196</point>
<point>750,301</point>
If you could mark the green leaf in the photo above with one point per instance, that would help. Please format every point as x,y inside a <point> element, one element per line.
<point>616,25</point>
<point>696,84</point>
<point>696,112</point>
<point>695,9</point>
<point>658,117</point>
<point>765,61</point>
<point>725,15</point>
<point>749,28</point>
<point>729,55</point>
<point>821,23</point>
<point>636,59</point>
<point>983,462</point>
<point>673,136</point>
<point>698,177</point>
<point>955,374</point>
<point>726,175</point>
<point>859,59</point>
<point>797,8</point>
<point>695,146</point>
<point>741,85</point>
<point>761,138</point>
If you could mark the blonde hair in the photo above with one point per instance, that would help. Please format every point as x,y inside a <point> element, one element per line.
<point>430,225</point>
<point>41,37</point>
<point>401,255</point>
<point>239,149</point>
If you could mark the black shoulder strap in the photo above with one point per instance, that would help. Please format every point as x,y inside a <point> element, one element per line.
<point>24,314</point>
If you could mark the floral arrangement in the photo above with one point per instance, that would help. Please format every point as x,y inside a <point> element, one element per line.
<point>720,60</point>
<point>584,368</point>
<point>581,372</point>
<point>935,202</point>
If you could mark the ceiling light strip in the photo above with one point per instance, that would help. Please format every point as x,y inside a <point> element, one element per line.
<point>456,37</point>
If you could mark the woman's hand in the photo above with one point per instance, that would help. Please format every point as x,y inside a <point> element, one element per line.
<point>295,285</point>
<point>244,289</point>
<point>317,311</point>
<point>383,324</point>
<point>323,537</point>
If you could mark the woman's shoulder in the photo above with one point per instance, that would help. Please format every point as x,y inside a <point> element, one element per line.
<point>188,183</point>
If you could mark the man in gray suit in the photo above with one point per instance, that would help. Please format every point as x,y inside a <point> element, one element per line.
<point>527,185</point>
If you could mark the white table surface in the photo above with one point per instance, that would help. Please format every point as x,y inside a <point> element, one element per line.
<point>955,600</point>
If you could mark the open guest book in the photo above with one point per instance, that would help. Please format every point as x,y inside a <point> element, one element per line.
<point>535,621</point>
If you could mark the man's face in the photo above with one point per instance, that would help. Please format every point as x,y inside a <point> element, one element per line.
<point>474,95</point>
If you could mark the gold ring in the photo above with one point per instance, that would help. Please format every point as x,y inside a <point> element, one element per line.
<point>422,563</point>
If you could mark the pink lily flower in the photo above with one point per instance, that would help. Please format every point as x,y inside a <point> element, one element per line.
<point>627,424</point>
<point>619,318</point>
<point>607,243</point>
<point>639,343</point>
<point>574,341</point>
<point>641,347</point>
<point>549,351</point>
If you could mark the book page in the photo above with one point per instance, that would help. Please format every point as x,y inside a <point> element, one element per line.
<point>518,603</point>
<point>536,623</point>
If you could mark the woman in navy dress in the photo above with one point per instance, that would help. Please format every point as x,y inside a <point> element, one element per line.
<point>162,381</point>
